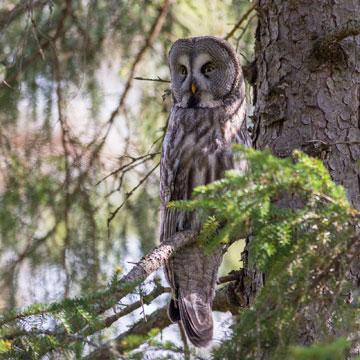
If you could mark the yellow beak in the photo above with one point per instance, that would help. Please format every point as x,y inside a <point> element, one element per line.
<point>193,88</point>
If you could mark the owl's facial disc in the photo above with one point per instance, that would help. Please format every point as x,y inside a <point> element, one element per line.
<point>204,72</point>
<point>195,88</point>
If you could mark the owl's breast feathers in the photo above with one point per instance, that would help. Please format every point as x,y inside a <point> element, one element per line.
<point>197,151</point>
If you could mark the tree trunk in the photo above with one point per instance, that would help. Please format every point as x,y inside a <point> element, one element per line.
<point>307,96</point>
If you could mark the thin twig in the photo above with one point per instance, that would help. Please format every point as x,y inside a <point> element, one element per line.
<point>113,213</point>
<point>125,167</point>
<point>184,340</point>
<point>147,79</point>
<point>142,302</point>
<point>242,34</point>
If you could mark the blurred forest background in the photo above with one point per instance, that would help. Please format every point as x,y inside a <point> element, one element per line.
<point>80,137</point>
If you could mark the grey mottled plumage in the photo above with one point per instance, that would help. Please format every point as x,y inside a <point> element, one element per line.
<point>208,114</point>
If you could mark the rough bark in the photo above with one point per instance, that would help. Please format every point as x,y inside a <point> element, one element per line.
<point>308,86</point>
<point>302,97</point>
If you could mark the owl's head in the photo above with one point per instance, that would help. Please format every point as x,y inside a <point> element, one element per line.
<point>204,71</point>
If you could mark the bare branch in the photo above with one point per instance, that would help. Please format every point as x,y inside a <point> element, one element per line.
<point>7,16</point>
<point>351,28</point>
<point>334,143</point>
<point>243,18</point>
<point>317,147</point>
<point>158,319</point>
<point>233,275</point>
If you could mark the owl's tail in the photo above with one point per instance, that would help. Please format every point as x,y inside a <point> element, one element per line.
<point>196,317</point>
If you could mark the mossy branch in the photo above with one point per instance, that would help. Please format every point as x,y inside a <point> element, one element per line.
<point>328,47</point>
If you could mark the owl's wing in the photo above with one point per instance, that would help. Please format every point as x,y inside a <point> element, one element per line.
<point>172,179</point>
<point>172,187</point>
<point>167,178</point>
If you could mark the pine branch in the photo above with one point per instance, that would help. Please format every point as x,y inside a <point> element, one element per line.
<point>147,299</point>
<point>105,300</point>
<point>225,300</point>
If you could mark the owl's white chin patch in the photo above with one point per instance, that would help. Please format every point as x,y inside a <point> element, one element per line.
<point>206,101</point>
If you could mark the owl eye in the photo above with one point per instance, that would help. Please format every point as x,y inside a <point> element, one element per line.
<point>207,68</point>
<point>183,70</point>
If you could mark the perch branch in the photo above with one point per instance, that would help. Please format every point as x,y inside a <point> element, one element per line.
<point>146,266</point>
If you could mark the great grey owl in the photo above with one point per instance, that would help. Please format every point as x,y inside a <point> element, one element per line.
<point>208,114</point>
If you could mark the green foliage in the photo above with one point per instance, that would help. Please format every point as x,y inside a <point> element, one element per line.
<point>338,350</point>
<point>62,326</point>
<point>301,239</point>
<point>63,69</point>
